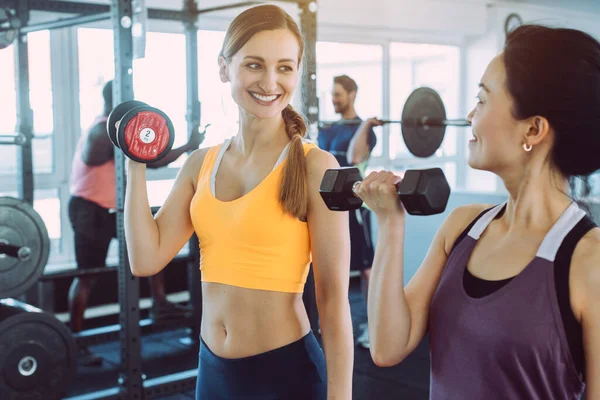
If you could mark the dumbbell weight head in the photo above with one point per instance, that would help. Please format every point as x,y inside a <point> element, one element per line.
<point>145,134</point>
<point>116,114</point>
<point>422,192</point>
<point>336,188</point>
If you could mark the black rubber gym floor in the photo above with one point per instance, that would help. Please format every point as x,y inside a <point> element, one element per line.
<point>163,353</point>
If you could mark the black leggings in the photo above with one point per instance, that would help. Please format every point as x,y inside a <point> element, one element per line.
<point>294,371</point>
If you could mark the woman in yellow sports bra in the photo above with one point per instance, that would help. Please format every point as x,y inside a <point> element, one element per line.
<point>254,203</point>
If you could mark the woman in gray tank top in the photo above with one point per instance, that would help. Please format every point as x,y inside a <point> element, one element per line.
<point>536,125</point>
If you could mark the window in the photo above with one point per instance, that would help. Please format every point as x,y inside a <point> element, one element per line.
<point>361,62</point>
<point>96,67</point>
<point>218,107</point>
<point>424,65</point>
<point>8,99</point>
<point>158,191</point>
<point>40,98</point>
<point>158,83</point>
<point>594,181</point>
<point>47,203</point>
<point>163,84</point>
<point>8,154</point>
<point>477,180</point>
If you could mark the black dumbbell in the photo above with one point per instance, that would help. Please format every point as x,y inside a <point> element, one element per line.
<point>145,134</point>
<point>421,191</point>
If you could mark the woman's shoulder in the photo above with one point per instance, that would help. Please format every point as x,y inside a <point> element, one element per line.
<point>585,274</point>
<point>317,162</point>
<point>586,256</point>
<point>196,159</point>
<point>308,145</point>
<point>458,220</point>
<point>316,158</point>
<point>198,156</point>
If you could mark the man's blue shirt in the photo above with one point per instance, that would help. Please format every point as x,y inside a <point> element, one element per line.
<point>336,140</point>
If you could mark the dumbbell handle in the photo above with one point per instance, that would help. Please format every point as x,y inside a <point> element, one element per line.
<point>355,186</point>
<point>23,253</point>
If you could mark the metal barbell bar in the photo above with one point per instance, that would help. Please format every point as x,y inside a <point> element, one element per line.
<point>424,122</point>
<point>23,253</point>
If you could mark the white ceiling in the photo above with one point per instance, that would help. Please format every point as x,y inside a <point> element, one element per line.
<point>575,5</point>
<point>591,6</point>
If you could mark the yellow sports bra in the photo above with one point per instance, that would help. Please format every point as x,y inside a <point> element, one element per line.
<point>249,242</point>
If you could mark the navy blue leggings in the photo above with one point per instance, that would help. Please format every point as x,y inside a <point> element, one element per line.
<point>294,371</point>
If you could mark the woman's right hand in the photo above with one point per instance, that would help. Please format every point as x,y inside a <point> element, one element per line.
<point>379,192</point>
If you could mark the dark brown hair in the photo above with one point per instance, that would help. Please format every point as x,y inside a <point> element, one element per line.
<point>346,82</point>
<point>555,73</point>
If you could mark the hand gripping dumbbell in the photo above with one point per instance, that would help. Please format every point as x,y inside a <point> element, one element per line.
<point>422,192</point>
<point>145,134</point>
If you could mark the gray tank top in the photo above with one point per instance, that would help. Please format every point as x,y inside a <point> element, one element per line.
<point>510,344</point>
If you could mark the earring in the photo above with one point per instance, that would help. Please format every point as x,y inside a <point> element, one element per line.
<point>527,147</point>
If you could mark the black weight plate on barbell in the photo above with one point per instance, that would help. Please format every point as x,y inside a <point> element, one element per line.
<point>422,140</point>
<point>37,353</point>
<point>21,225</point>
<point>116,114</point>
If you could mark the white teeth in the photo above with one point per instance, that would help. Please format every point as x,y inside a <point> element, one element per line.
<point>264,98</point>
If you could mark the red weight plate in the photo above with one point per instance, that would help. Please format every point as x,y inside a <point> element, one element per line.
<point>147,135</point>
<point>116,114</point>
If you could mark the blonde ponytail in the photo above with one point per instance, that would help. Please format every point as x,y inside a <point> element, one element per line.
<point>293,195</point>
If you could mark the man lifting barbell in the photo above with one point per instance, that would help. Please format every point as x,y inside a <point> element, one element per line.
<point>422,192</point>
<point>91,212</point>
<point>508,294</point>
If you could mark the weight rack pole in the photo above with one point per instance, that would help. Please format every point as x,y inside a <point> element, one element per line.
<point>308,25</point>
<point>193,115</point>
<point>24,112</point>
<point>129,291</point>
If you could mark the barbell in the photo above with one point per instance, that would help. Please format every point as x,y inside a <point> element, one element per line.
<point>37,353</point>
<point>423,122</point>
<point>24,247</point>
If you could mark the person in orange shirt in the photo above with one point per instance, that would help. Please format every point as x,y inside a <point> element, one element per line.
<point>254,203</point>
<point>91,213</point>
